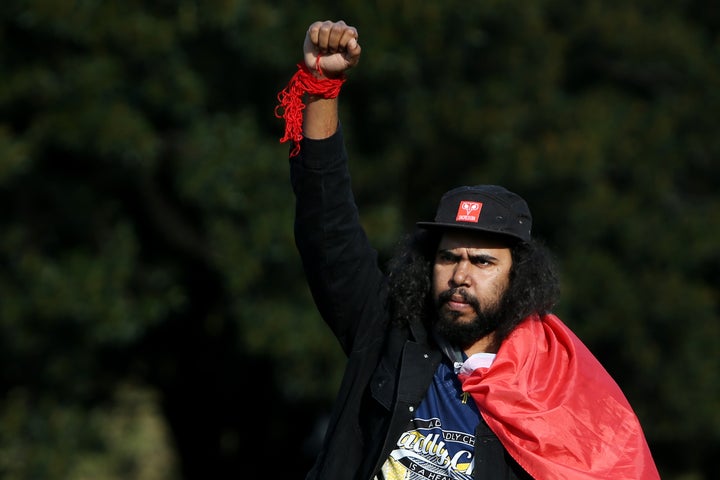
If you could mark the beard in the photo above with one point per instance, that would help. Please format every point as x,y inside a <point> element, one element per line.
<point>464,334</point>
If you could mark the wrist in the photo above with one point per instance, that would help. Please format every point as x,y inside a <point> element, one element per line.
<point>304,89</point>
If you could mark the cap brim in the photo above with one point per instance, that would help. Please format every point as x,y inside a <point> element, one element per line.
<point>468,227</point>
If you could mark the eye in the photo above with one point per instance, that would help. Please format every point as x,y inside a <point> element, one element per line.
<point>444,257</point>
<point>482,260</point>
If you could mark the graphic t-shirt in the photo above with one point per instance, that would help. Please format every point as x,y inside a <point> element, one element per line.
<point>440,440</point>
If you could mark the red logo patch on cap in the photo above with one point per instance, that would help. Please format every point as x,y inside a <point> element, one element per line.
<point>468,211</point>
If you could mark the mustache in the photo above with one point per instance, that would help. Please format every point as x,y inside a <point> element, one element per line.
<point>471,300</point>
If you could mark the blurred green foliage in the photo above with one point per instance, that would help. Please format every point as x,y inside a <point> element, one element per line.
<point>154,320</point>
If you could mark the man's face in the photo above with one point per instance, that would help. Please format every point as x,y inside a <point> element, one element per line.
<point>470,276</point>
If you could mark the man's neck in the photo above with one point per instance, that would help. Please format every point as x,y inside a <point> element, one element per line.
<point>484,345</point>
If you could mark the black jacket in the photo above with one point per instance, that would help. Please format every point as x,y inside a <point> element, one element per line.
<point>389,367</point>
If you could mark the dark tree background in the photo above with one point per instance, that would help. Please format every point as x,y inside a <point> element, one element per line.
<point>154,319</point>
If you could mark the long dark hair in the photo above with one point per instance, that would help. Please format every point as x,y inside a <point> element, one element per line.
<point>534,282</point>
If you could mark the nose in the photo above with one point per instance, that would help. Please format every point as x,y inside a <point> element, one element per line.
<point>460,274</point>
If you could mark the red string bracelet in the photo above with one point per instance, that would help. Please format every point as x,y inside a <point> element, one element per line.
<point>291,100</point>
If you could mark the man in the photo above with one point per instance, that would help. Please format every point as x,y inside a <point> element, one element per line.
<point>456,367</point>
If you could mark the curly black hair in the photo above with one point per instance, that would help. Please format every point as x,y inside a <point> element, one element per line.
<point>534,283</point>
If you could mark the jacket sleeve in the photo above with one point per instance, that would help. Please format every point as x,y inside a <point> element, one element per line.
<point>340,264</point>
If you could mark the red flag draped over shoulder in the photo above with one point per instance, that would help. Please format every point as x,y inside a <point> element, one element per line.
<point>556,409</point>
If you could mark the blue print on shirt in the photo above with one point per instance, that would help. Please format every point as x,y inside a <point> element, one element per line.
<point>440,441</point>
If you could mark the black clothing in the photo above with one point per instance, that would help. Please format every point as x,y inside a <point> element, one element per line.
<point>389,367</point>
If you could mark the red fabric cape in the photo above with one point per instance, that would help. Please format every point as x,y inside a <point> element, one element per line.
<point>556,409</point>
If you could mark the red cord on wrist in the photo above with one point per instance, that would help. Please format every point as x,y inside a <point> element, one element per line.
<point>291,100</point>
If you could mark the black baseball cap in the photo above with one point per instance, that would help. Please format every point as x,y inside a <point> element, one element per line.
<point>483,208</point>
